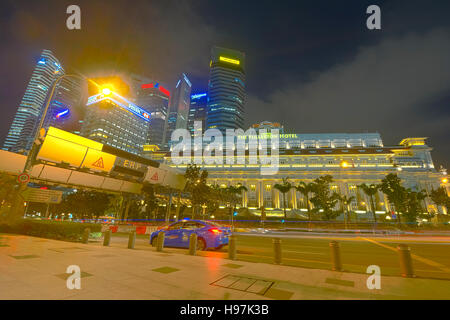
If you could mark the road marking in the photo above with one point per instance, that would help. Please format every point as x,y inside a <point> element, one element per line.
<point>414,256</point>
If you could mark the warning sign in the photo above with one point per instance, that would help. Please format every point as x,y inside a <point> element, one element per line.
<point>97,160</point>
<point>155,177</point>
<point>98,163</point>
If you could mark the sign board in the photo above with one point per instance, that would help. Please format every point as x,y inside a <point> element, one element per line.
<point>42,195</point>
<point>23,178</point>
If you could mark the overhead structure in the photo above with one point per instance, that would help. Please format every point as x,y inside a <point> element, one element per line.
<point>73,160</point>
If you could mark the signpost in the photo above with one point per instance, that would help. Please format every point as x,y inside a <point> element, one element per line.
<point>23,178</point>
<point>42,195</point>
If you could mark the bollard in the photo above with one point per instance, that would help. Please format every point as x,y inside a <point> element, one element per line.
<point>131,239</point>
<point>406,265</point>
<point>276,250</point>
<point>232,247</point>
<point>193,244</point>
<point>107,237</point>
<point>86,234</point>
<point>335,256</point>
<point>160,241</point>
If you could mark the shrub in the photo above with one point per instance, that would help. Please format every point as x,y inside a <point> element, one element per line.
<point>60,230</point>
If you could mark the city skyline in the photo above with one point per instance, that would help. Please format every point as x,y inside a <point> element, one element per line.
<point>300,71</point>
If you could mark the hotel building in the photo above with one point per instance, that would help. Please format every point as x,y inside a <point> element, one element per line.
<point>350,158</point>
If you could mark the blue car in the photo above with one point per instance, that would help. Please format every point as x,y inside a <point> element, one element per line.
<point>209,234</point>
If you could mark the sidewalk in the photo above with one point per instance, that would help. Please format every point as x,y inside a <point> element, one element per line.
<point>35,268</point>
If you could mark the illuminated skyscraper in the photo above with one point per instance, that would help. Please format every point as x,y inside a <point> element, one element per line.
<point>66,109</point>
<point>179,107</point>
<point>197,111</point>
<point>154,97</point>
<point>23,128</point>
<point>226,89</point>
<point>115,121</point>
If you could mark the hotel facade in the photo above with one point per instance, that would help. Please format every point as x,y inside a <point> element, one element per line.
<point>351,159</point>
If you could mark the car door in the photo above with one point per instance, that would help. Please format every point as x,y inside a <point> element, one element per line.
<point>189,228</point>
<point>173,235</point>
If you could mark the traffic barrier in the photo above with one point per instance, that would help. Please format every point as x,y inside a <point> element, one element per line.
<point>86,233</point>
<point>276,250</point>
<point>160,241</point>
<point>140,229</point>
<point>193,244</point>
<point>131,239</point>
<point>106,238</point>
<point>232,247</point>
<point>113,228</point>
<point>406,265</point>
<point>336,264</point>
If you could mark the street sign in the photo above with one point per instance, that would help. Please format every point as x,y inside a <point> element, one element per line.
<point>42,195</point>
<point>23,178</point>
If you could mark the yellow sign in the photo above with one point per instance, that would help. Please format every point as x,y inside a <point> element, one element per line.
<point>70,137</point>
<point>229,60</point>
<point>58,150</point>
<point>99,161</point>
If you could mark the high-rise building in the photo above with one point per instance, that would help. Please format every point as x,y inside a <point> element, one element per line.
<point>115,121</point>
<point>154,97</point>
<point>179,107</point>
<point>226,90</point>
<point>66,109</point>
<point>21,133</point>
<point>197,111</point>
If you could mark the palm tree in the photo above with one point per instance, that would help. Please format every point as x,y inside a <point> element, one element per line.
<point>233,192</point>
<point>370,191</point>
<point>284,188</point>
<point>345,202</point>
<point>305,189</point>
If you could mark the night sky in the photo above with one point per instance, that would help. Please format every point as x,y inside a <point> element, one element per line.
<point>311,65</point>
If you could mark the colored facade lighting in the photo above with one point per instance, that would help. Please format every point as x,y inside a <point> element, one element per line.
<point>198,96</point>
<point>62,113</point>
<point>121,102</point>
<point>164,90</point>
<point>147,86</point>
<point>229,60</point>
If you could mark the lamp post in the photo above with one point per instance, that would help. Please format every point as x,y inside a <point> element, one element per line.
<point>17,209</point>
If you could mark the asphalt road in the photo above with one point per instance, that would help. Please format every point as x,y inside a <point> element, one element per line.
<point>431,255</point>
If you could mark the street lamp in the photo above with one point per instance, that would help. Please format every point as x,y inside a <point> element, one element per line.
<point>31,157</point>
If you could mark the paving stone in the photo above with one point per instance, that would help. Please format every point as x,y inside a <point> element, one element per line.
<point>226,281</point>
<point>64,276</point>
<point>233,266</point>
<point>340,282</point>
<point>28,256</point>
<point>278,294</point>
<point>165,270</point>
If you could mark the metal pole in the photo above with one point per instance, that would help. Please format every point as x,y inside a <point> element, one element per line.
<point>232,247</point>
<point>131,239</point>
<point>193,244</point>
<point>86,233</point>
<point>160,241</point>
<point>406,265</point>
<point>277,250</point>
<point>107,238</point>
<point>335,256</point>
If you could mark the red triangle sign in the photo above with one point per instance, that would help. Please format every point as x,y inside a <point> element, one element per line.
<point>155,176</point>
<point>98,163</point>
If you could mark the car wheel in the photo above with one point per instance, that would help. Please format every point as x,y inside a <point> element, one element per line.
<point>154,241</point>
<point>201,244</point>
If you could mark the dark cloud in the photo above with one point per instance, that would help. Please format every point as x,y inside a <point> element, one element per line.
<point>386,87</point>
<point>311,65</point>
